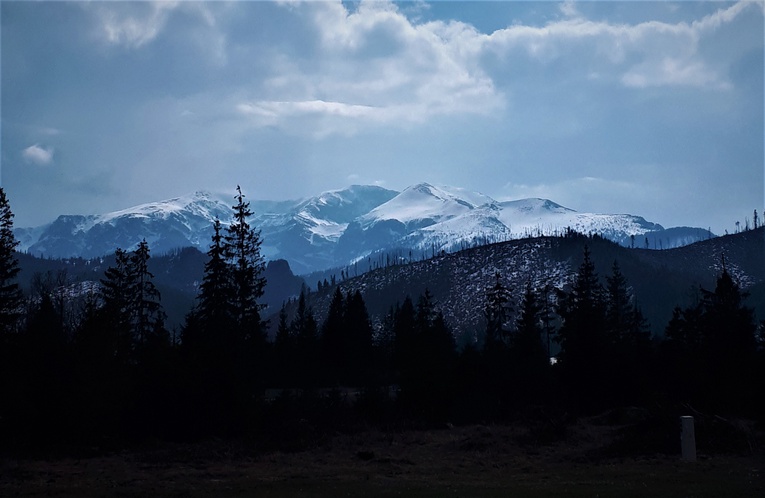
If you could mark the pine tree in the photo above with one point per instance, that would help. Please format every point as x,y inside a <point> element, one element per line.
<point>215,292</point>
<point>358,339</point>
<point>301,348</point>
<point>583,340</point>
<point>332,338</point>
<point>619,308</point>
<point>527,340</point>
<point>116,287</point>
<point>10,293</point>
<point>497,313</point>
<point>247,265</point>
<point>148,317</point>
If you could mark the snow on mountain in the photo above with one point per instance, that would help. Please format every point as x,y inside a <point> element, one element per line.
<point>425,204</point>
<point>339,226</point>
<point>424,217</point>
<point>166,225</point>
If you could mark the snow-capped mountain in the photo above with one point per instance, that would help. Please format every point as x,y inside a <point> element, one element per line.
<point>166,225</point>
<point>340,226</point>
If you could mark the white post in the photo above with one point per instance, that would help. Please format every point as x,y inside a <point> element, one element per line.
<point>688,439</point>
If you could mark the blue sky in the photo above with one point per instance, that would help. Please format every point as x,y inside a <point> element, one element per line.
<point>648,108</point>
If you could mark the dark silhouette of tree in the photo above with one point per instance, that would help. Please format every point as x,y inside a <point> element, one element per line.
<point>710,351</point>
<point>346,340</point>
<point>582,336</point>
<point>116,288</point>
<point>729,340</point>
<point>242,245</point>
<point>405,339</point>
<point>497,313</point>
<point>304,338</point>
<point>283,348</point>
<point>131,302</point>
<point>425,354</point>
<point>224,344</point>
<point>10,293</point>
<point>627,337</point>
<point>527,344</point>
<point>358,339</point>
<point>216,290</point>
<point>148,317</point>
<point>332,339</point>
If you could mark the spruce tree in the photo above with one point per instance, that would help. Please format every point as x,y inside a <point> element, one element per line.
<point>10,293</point>
<point>303,333</point>
<point>584,345</point>
<point>214,306</point>
<point>332,338</point>
<point>116,287</point>
<point>618,305</point>
<point>527,341</point>
<point>357,338</point>
<point>247,266</point>
<point>497,313</point>
<point>148,317</point>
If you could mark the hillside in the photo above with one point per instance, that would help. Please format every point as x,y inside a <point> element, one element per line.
<point>660,279</point>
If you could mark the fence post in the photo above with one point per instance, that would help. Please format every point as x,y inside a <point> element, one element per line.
<point>687,439</point>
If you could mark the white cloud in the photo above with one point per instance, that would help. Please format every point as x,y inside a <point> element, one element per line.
<point>38,155</point>
<point>376,67</point>
<point>654,53</point>
<point>131,24</point>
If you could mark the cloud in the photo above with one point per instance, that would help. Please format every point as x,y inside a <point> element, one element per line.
<point>38,155</point>
<point>131,24</point>
<point>652,53</point>
<point>376,67</point>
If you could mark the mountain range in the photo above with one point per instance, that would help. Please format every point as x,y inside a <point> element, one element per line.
<point>342,227</point>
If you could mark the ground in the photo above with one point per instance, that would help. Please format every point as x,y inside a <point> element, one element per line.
<point>471,461</point>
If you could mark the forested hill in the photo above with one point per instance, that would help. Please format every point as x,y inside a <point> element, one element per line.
<point>660,279</point>
<point>176,275</point>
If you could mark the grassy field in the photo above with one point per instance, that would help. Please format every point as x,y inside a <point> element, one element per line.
<point>473,461</point>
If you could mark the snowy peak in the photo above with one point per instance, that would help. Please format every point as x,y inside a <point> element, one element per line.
<point>343,206</point>
<point>425,204</point>
<point>336,227</point>
<point>535,206</point>
<point>201,204</point>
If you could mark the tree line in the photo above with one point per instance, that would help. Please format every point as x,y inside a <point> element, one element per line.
<point>111,373</point>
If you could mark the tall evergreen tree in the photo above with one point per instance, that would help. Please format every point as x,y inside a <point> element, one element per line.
<point>332,338</point>
<point>304,339</point>
<point>148,317</point>
<point>10,293</point>
<point>215,292</point>
<point>247,267</point>
<point>358,339</point>
<point>116,287</point>
<point>497,313</point>
<point>583,340</point>
<point>527,341</point>
<point>618,305</point>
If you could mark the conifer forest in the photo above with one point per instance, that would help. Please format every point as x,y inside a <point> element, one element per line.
<point>101,369</point>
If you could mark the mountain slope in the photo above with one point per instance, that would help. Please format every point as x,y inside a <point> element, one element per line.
<point>660,279</point>
<point>337,227</point>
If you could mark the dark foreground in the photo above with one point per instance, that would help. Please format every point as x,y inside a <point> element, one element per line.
<point>454,461</point>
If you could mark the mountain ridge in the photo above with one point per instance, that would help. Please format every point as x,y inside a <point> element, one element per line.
<point>337,227</point>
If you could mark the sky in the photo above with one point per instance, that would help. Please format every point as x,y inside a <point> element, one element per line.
<point>647,108</point>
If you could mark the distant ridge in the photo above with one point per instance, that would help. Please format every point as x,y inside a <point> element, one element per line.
<point>340,226</point>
